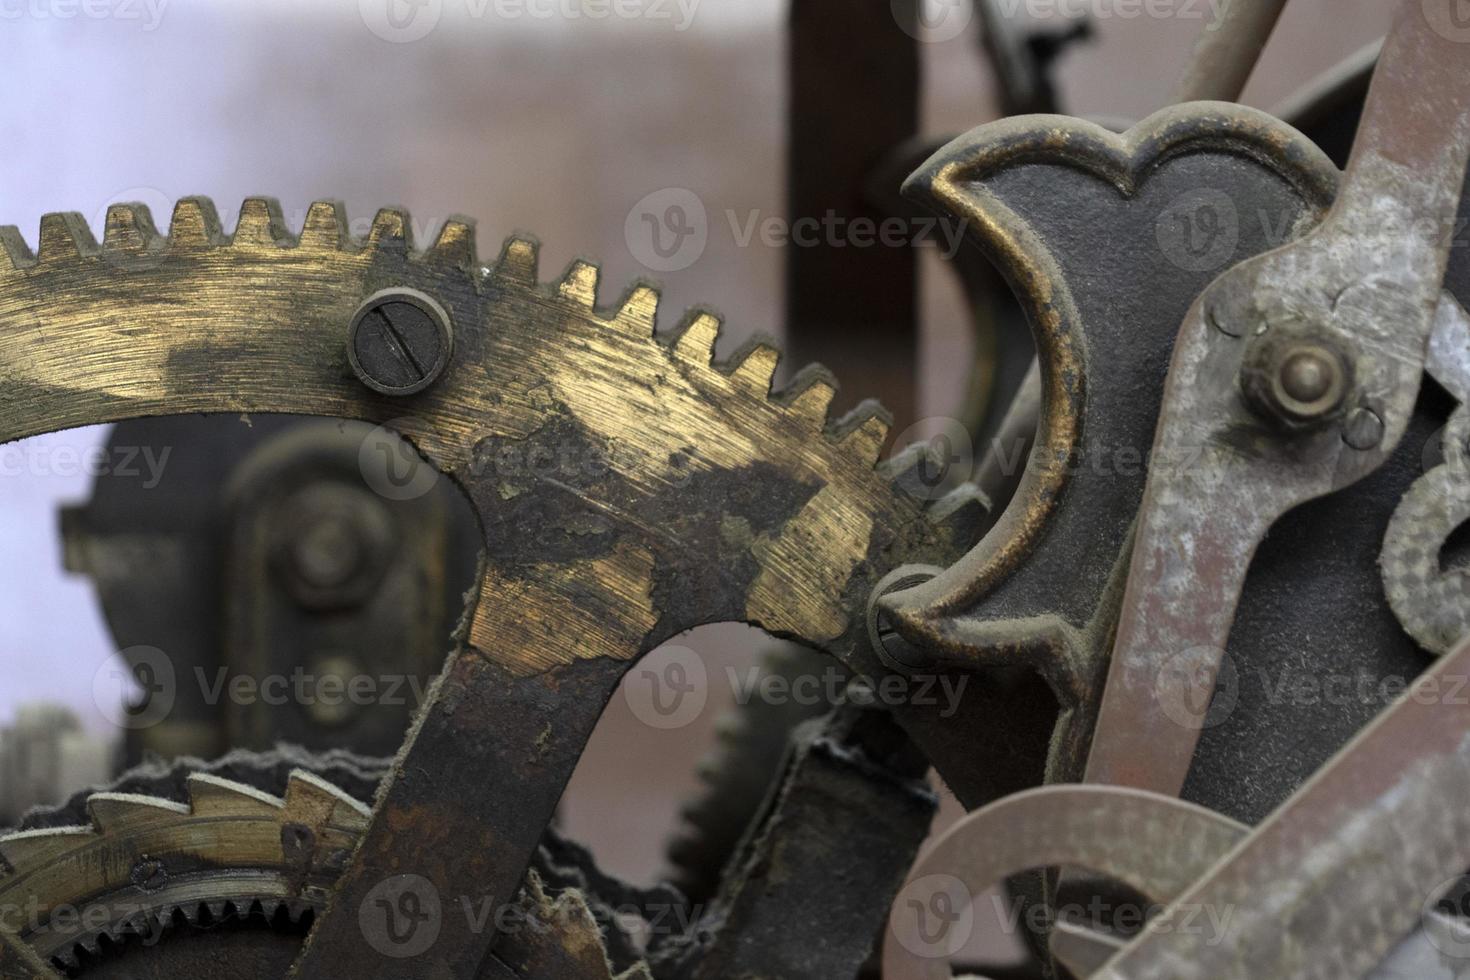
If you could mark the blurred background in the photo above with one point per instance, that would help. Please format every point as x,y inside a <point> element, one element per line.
<point>550,116</point>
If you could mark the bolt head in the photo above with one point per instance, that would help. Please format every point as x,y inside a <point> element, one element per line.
<point>332,544</point>
<point>1307,376</point>
<point>399,342</point>
<point>1296,382</point>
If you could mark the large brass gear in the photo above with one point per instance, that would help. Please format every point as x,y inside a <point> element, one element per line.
<point>693,494</point>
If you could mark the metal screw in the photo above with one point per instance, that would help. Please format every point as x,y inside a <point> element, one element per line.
<point>1363,429</point>
<point>399,342</point>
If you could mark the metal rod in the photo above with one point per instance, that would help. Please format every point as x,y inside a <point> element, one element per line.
<point>1227,51</point>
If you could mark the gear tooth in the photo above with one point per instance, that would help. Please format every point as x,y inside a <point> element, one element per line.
<point>810,395</point>
<point>755,366</point>
<point>129,228</point>
<point>518,260</point>
<point>114,812</point>
<point>965,510</point>
<point>455,244</point>
<point>391,231</point>
<point>579,285</point>
<point>64,236</point>
<point>325,228</point>
<point>864,431</point>
<point>15,254</point>
<point>261,224</point>
<point>195,224</point>
<point>30,849</point>
<point>314,801</point>
<point>639,309</point>
<point>67,957</point>
<point>215,797</point>
<point>695,340</point>
<point>906,465</point>
<point>269,907</point>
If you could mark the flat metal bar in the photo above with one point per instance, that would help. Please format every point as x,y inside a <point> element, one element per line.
<point>1330,882</point>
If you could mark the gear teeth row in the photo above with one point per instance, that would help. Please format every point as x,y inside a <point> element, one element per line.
<point>862,433</point>
<point>151,925</point>
<point>196,226</point>
<point>309,800</point>
<point>754,367</point>
<point>129,229</point>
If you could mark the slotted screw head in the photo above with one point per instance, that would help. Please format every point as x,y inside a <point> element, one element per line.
<point>399,342</point>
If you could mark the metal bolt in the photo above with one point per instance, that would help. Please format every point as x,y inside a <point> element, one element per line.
<point>331,544</point>
<point>399,342</point>
<point>1297,382</point>
<point>1307,376</point>
<point>1363,429</point>
<point>329,553</point>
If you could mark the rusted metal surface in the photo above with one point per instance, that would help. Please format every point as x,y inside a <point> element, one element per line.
<point>1328,884</point>
<point>1079,218</point>
<point>1227,50</point>
<point>1369,279</point>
